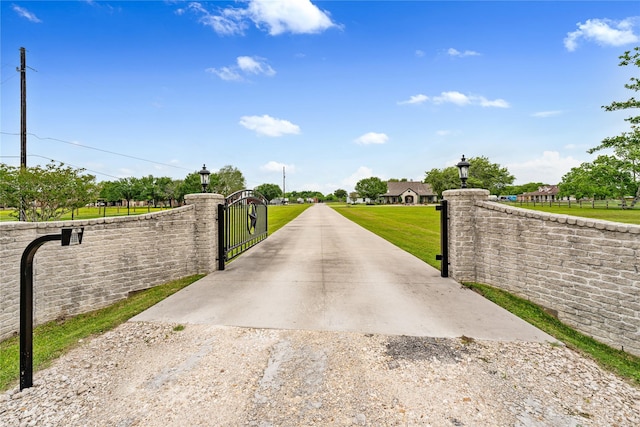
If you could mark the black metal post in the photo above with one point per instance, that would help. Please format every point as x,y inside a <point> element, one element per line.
<point>221,239</point>
<point>444,238</point>
<point>26,308</point>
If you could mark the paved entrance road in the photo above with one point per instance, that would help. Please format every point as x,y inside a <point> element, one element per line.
<point>324,272</point>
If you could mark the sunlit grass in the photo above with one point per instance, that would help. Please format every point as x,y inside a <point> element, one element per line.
<point>55,338</point>
<point>279,215</point>
<point>614,213</point>
<point>624,364</point>
<point>416,229</point>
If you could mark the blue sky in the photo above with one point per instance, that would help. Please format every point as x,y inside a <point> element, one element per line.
<point>334,91</point>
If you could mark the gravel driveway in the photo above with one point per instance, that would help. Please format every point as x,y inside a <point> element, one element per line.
<point>148,374</point>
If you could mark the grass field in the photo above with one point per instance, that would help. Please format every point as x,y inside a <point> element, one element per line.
<point>88,213</point>
<point>416,229</point>
<point>629,216</point>
<point>57,337</point>
<point>281,214</point>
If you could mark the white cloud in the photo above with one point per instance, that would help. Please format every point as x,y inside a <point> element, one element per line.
<point>274,166</point>
<point>225,73</point>
<point>254,65</point>
<point>415,99</point>
<point>229,22</point>
<point>605,32</point>
<point>294,16</point>
<point>545,114</point>
<point>452,97</point>
<point>269,126</point>
<point>244,65</point>
<point>454,52</point>
<point>460,99</point>
<point>446,132</point>
<point>548,168</point>
<point>372,138</point>
<point>275,16</point>
<point>21,11</point>
<point>361,173</point>
<point>419,53</point>
<point>497,103</point>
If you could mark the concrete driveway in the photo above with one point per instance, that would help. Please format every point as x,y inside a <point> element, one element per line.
<point>324,272</point>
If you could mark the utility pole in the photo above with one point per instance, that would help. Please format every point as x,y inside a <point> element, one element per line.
<point>284,193</point>
<point>23,120</point>
<point>23,108</point>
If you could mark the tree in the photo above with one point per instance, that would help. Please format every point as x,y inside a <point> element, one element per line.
<point>482,174</point>
<point>127,189</point>
<point>340,194</point>
<point>371,188</point>
<point>46,193</point>
<point>228,180</point>
<point>626,146</point>
<point>605,177</point>
<point>269,191</point>
<point>443,179</point>
<point>190,184</point>
<point>520,189</point>
<point>487,175</point>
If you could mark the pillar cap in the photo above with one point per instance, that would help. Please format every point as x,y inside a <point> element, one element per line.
<point>466,192</point>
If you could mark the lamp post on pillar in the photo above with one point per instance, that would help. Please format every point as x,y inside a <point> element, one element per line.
<point>463,171</point>
<point>204,178</point>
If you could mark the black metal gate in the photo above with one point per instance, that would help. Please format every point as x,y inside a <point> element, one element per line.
<point>444,238</point>
<point>242,223</point>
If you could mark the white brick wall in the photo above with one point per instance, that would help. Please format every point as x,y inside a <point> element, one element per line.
<point>587,270</point>
<point>118,255</point>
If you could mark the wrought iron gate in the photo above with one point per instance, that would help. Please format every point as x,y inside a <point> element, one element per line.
<point>444,238</point>
<point>242,223</point>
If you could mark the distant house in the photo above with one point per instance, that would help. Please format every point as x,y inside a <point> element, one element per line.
<point>408,193</point>
<point>545,193</point>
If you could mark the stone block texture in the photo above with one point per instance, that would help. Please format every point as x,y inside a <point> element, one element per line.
<point>586,270</point>
<point>118,255</point>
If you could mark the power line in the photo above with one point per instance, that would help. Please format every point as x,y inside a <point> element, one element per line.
<point>99,149</point>
<point>64,163</point>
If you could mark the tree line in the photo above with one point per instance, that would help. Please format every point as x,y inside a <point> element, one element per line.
<point>46,193</point>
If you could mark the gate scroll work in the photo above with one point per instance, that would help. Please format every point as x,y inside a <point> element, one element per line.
<point>242,223</point>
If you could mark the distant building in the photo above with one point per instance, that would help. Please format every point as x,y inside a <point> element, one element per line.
<point>545,193</point>
<point>408,193</point>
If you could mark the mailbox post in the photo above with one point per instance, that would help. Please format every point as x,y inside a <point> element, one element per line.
<point>68,236</point>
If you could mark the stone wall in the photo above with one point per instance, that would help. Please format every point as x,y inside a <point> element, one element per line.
<point>585,270</point>
<point>118,255</point>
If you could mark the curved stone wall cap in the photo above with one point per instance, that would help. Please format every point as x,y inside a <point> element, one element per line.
<point>203,196</point>
<point>466,192</point>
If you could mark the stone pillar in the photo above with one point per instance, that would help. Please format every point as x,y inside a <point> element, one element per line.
<point>206,229</point>
<point>462,233</point>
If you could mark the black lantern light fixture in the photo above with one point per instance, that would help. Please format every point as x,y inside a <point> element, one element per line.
<point>204,178</point>
<point>463,171</point>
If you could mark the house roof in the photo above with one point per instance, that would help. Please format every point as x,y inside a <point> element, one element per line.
<point>544,190</point>
<point>395,188</point>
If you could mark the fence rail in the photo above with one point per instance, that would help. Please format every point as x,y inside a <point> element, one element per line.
<point>593,204</point>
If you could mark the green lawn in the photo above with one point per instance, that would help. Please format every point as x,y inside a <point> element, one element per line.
<point>416,229</point>
<point>57,337</point>
<point>279,215</point>
<point>629,216</point>
<point>88,213</point>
